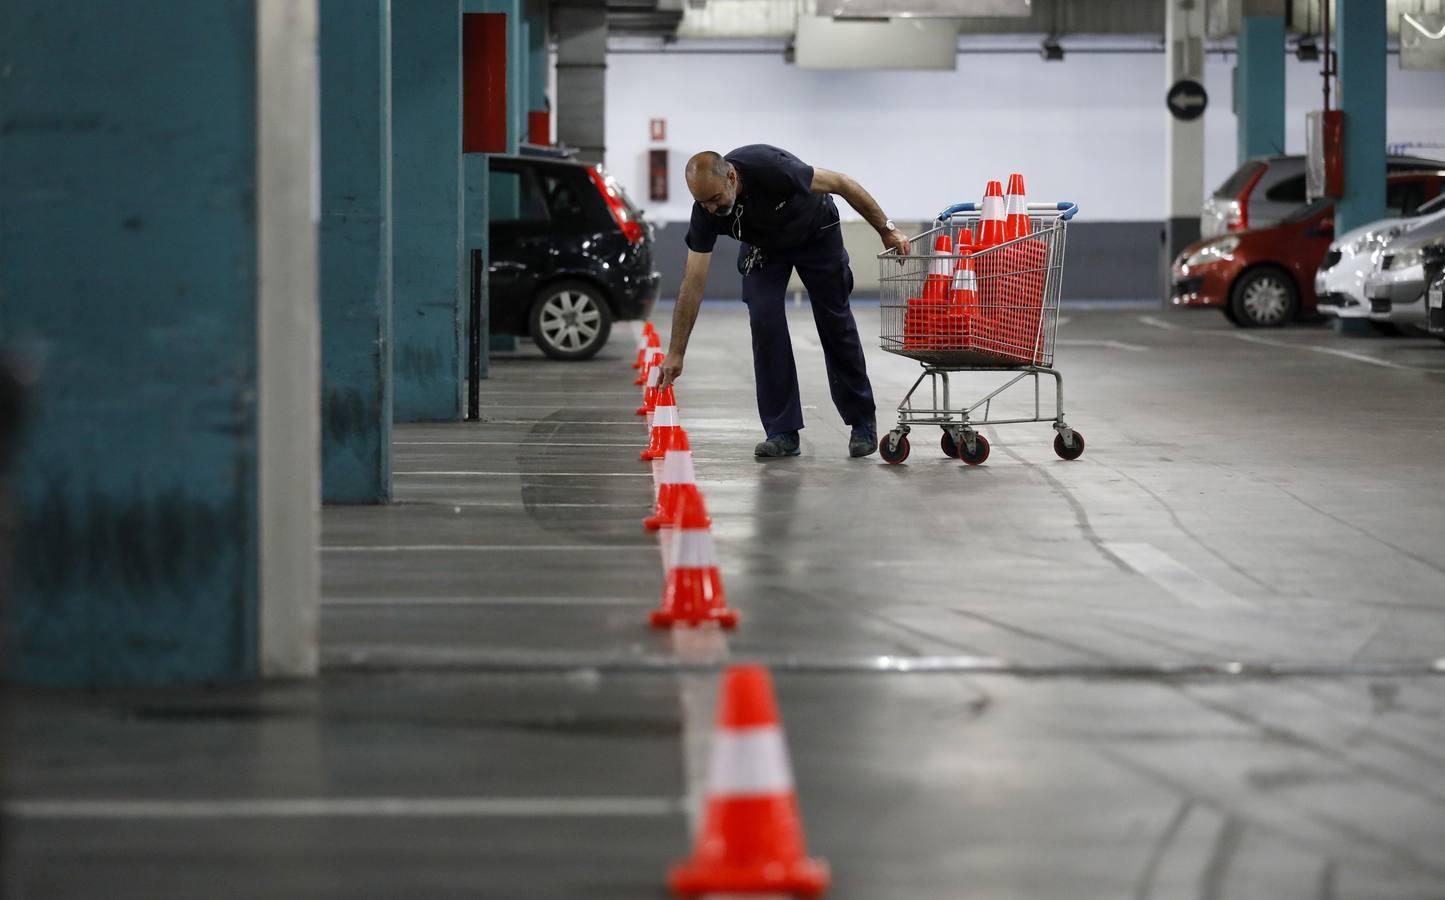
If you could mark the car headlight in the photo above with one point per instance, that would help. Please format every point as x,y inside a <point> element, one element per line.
<point>1220,249</point>
<point>1371,241</point>
<point>1404,259</point>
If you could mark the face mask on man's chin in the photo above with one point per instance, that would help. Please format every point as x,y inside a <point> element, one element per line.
<point>722,212</point>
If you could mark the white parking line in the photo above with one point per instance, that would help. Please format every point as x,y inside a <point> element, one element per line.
<point>1286,345</point>
<point>1175,577</point>
<point>470,474</point>
<point>348,807</point>
<point>483,548</point>
<point>395,602</point>
<point>1113,345</point>
<point>540,443</point>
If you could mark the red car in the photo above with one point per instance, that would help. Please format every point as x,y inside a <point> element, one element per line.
<point>1266,276</point>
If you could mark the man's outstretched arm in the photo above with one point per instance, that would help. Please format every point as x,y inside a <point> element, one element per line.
<point>684,315</point>
<point>826,182</point>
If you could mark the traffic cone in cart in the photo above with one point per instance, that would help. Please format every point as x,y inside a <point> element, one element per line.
<point>752,837</point>
<point>991,220</point>
<point>935,284</point>
<point>649,393</point>
<point>678,481</point>
<point>694,591</point>
<point>963,244</point>
<point>1016,210</point>
<point>664,422</point>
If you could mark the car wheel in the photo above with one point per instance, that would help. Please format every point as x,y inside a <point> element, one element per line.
<point>1264,298</point>
<point>570,320</point>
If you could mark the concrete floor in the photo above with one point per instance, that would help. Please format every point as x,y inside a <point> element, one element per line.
<point>1202,661</point>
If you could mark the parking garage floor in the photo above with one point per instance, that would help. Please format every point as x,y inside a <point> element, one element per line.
<point>1204,660</point>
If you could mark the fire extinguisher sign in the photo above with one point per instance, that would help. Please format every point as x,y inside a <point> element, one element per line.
<point>658,129</point>
<point>657,175</point>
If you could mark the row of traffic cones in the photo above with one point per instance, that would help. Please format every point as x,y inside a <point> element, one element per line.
<point>751,840</point>
<point>978,295</point>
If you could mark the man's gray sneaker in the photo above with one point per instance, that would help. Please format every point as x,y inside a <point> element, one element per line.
<point>785,444</point>
<point>863,442</point>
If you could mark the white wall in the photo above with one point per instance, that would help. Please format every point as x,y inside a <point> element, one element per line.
<point>1088,129</point>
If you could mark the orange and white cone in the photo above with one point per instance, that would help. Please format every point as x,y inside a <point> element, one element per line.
<point>935,285</point>
<point>649,393</point>
<point>965,285</point>
<point>991,221</point>
<point>752,837</point>
<point>654,346</point>
<point>963,244</point>
<point>678,480</point>
<point>1016,210</point>
<point>664,422</point>
<point>694,591</point>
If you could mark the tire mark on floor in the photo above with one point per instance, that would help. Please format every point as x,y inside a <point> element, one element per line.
<point>1144,887</point>
<point>1216,871</point>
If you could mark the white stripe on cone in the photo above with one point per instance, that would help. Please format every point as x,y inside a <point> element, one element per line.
<point>993,207</point>
<point>666,415</point>
<point>677,468</point>
<point>694,549</point>
<point>749,762</point>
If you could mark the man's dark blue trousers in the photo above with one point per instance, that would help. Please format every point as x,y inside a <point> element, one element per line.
<point>822,265</point>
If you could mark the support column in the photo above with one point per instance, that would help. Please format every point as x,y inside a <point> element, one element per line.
<point>1360,30</point>
<point>428,267</point>
<point>582,77</point>
<point>158,272</point>
<point>356,402</point>
<point>1183,141</point>
<point>1259,80</point>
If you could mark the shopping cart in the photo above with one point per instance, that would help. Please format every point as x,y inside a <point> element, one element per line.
<point>995,311</point>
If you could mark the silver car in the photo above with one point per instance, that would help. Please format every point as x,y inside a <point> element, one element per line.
<point>1396,288</point>
<point>1266,189</point>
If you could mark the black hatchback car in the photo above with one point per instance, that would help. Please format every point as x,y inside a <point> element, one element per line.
<point>570,254</point>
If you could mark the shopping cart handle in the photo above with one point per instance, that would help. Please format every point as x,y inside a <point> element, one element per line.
<point>1067,208</point>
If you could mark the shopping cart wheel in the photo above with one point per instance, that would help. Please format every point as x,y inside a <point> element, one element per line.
<point>1073,452</point>
<point>896,455</point>
<point>980,450</point>
<point>949,445</point>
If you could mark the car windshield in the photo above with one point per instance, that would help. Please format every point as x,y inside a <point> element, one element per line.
<point>1239,179</point>
<point>1431,206</point>
<point>1309,210</point>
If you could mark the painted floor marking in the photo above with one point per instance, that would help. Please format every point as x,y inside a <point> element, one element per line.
<point>1178,579</point>
<point>1287,345</point>
<point>483,548</point>
<point>460,473</point>
<point>542,443</point>
<point>1112,345</point>
<point>397,602</point>
<point>348,807</point>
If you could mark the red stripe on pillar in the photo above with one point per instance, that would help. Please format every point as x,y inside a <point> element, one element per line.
<point>539,127</point>
<point>484,83</point>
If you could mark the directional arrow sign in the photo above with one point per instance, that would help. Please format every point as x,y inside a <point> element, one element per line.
<point>1187,100</point>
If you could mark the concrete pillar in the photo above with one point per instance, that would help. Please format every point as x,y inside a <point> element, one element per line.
<point>1183,141</point>
<point>158,272</point>
<point>356,403</point>
<point>1259,79</point>
<point>429,286</point>
<point>582,77</point>
<point>1359,28</point>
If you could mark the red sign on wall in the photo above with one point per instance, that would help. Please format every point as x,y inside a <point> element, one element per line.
<point>657,175</point>
<point>659,129</point>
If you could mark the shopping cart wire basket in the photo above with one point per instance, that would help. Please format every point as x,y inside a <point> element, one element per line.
<point>976,309</point>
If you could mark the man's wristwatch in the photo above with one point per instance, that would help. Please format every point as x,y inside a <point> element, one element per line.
<point>889,226</point>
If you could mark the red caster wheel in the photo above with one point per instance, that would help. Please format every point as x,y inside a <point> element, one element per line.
<point>896,454</point>
<point>949,445</point>
<point>1073,452</point>
<point>980,450</point>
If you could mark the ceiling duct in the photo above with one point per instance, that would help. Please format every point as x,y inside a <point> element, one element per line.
<point>924,9</point>
<point>1303,16</point>
<point>655,18</point>
<point>744,19</point>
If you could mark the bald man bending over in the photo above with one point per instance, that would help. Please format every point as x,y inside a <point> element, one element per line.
<point>780,211</point>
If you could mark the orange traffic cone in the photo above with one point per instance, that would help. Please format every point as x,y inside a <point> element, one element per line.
<point>678,480</point>
<point>935,285</point>
<point>649,393</point>
<point>991,222</point>
<point>664,422</point>
<point>694,591</point>
<point>963,244</point>
<point>654,346</point>
<point>1016,210</point>
<point>965,285</point>
<point>752,838</point>
<point>648,329</point>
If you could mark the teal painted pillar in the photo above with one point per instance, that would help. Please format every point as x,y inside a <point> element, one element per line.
<point>355,251</point>
<point>1360,29</point>
<point>1259,86</point>
<point>429,285</point>
<point>158,271</point>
